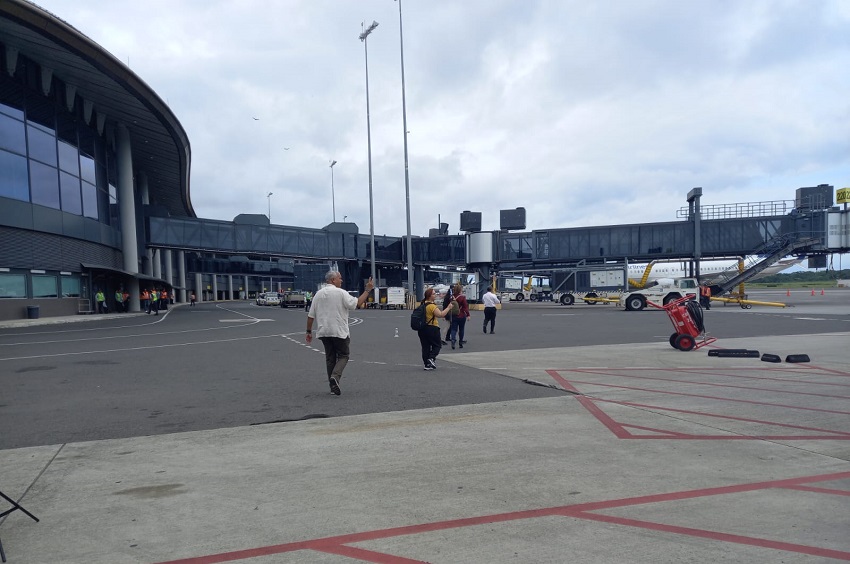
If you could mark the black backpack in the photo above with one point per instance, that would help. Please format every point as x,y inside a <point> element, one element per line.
<point>417,318</point>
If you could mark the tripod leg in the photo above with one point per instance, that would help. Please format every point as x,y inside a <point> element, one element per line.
<point>16,505</point>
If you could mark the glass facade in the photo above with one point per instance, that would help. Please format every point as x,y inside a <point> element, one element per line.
<point>49,155</point>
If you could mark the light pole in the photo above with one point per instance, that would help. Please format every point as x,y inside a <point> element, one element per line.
<point>269,197</point>
<point>363,37</point>
<point>333,199</point>
<point>406,173</point>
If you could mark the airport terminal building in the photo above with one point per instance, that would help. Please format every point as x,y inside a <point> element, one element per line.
<point>86,151</point>
<point>95,197</point>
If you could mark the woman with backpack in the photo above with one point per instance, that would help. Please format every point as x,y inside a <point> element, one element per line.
<point>429,333</point>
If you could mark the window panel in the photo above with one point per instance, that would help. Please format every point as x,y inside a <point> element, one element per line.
<point>69,187</point>
<point>90,201</point>
<point>87,169</point>
<point>44,185</point>
<point>44,287</point>
<point>12,136</point>
<point>11,110</point>
<point>13,286</point>
<point>41,145</point>
<point>68,158</point>
<point>70,287</point>
<point>14,178</point>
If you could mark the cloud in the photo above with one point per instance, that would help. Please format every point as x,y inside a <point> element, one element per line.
<point>583,113</point>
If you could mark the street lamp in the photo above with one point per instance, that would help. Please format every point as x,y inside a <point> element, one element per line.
<point>333,199</point>
<point>269,197</point>
<point>363,37</point>
<point>406,173</point>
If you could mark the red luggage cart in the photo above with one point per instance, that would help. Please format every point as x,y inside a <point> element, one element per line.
<point>686,315</point>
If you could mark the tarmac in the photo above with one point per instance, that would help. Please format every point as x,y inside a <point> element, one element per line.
<point>647,457</point>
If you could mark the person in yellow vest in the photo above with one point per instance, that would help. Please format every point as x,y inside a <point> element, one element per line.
<point>100,299</point>
<point>155,301</point>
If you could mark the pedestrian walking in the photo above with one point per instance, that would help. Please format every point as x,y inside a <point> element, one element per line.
<point>100,299</point>
<point>192,299</point>
<point>459,317</point>
<point>119,300</point>
<point>429,334</point>
<point>330,309</point>
<point>447,300</point>
<point>146,301</point>
<point>155,301</point>
<point>490,301</point>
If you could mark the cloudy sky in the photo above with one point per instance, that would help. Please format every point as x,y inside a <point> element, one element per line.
<point>585,113</point>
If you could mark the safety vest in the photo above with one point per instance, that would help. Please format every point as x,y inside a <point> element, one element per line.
<point>705,291</point>
<point>154,297</point>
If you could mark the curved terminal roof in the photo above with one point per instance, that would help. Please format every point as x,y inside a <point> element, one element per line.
<point>160,145</point>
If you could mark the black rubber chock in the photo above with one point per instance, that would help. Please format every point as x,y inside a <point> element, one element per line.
<point>797,358</point>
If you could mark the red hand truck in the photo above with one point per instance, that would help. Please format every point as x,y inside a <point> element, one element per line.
<point>687,318</point>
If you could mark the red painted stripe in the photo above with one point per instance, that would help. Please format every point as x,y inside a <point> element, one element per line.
<point>718,536</point>
<point>704,396</point>
<point>588,404</point>
<point>830,491</point>
<point>841,435</point>
<point>579,510</point>
<point>369,555</point>
<point>718,384</point>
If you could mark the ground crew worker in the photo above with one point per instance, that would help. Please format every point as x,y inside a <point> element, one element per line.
<point>101,301</point>
<point>705,296</point>
<point>155,301</point>
<point>163,300</point>
<point>146,301</point>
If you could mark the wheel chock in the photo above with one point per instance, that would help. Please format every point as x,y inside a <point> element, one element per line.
<point>716,352</point>
<point>737,353</point>
<point>767,357</point>
<point>797,358</point>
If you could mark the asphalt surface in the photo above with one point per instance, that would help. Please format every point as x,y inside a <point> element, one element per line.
<point>574,433</point>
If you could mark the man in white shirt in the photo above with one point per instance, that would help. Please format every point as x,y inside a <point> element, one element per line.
<point>490,300</point>
<point>330,309</point>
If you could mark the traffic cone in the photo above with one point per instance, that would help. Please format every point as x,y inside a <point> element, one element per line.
<point>821,291</point>
<point>788,293</point>
<point>813,291</point>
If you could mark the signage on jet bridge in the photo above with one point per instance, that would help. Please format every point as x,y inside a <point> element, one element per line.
<point>842,196</point>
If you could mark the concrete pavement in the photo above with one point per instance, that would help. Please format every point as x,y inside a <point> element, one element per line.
<point>651,455</point>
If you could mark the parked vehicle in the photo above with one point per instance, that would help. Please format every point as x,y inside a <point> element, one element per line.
<point>293,299</point>
<point>667,290</point>
<point>272,299</point>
